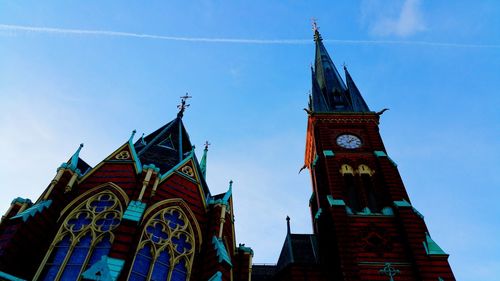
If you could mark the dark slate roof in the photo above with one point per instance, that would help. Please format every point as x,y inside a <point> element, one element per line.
<point>298,248</point>
<point>329,92</point>
<point>83,166</point>
<point>165,147</point>
<point>263,272</point>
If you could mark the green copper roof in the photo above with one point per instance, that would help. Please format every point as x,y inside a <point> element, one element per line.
<point>431,247</point>
<point>335,202</point>
<point>134,211</point>
<point>216,277</point>
<point>6,276</point>
<point>115,267</point>
<point>21,200</point>
<point>33,210</point>
<point>203,162</point>
<point>99,271</point>
<point>221,251</point>
<point>242,248</point>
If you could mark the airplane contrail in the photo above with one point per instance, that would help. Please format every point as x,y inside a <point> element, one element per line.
<point>66,31</point>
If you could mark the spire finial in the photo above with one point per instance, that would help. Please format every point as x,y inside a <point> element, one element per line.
<point>203,162</point>
<point>183,105</point>
<point>315,28</point>
<point>314,24</point>
<point>206,145</point>
<point>132,136</point>
<point>287,224</point>
<point>74,159</point>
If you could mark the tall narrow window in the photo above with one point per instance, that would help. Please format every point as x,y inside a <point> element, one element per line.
<point>351,192</point>
<point>83,238</point>
<point>366,175</point>
<point>166,249</point>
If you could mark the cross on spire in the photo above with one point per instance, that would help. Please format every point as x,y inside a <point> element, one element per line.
<point>183,105</point>
<point>206,145</point>
<point>389,271</point>
<point>314,24</point>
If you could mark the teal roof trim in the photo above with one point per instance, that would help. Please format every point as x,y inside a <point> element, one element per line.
<point>134,211</point>
<point>99,271</point>
<point>418,213</point>
<point>242,248</point>
<point>74,159</point>
<point>115,266</point>
<point>203,162</point>
<point>21,201</point>
<point>151,166</point>
<point>335,202</point>
<point>318,213</point>
<point>228,193</point>
<point>6,276</point>
<point>387,211</point>
<point>221,251</point>
<point>402,203</point>
<point>328,153</point>
<point>33,210</point>
<point>380,153</point>
<point>134,153</point>
<point>224,200</point>
<point>216,277</point>
<point>431,247</point>
<point>315,160</point>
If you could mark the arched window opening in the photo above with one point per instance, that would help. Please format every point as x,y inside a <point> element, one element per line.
<point>351,192</point>
<point>166,249</point>
<point>83,238</point>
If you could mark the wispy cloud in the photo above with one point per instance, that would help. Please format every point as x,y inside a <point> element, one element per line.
<point>387,19</point>
<point>18,29</point>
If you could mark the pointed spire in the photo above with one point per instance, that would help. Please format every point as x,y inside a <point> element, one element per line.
<point>358,103</point>
<point>329,92</point>
<point>203,162</point>
<point>74,159</point>
<point>132,136</point>
<point>288,225</point>
<point>229,192</point>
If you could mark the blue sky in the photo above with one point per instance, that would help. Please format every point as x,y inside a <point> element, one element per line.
<point>434,64</point>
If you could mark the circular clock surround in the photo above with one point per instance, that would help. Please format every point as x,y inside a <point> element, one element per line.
<point>349,141</point>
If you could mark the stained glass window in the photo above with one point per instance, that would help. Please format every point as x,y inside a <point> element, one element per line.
<point>83,238</point>
<point>167,248</point>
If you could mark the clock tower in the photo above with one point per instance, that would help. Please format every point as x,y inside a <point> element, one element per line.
<point>364,223</point>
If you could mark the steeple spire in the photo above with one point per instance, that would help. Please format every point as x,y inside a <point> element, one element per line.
<point>74,159</point>
<point>329,92</point>
<point>203,162</point>
<point>358,103</point>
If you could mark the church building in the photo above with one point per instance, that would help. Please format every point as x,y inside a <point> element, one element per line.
<point>145,212</point>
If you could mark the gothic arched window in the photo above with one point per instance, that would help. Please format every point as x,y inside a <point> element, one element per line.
<point>166,249</point>
<point>83,238</point>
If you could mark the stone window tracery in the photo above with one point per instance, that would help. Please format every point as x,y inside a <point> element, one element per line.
<point>166,249</point>
<point>83,238</point>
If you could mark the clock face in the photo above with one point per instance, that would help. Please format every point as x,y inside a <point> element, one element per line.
<point>349,141</point>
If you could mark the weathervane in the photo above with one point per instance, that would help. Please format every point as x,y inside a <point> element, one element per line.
<point>183,105</point>
<point>389,271</point>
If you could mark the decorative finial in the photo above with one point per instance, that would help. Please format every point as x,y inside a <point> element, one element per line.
<point>206,145</point>
<point>132,136</point>
<point>183,105</point>
<point>314,24</point>
<point>287,224</point>
<point>344,65</point>
<point>317,36</point>
<point>389,271</point>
